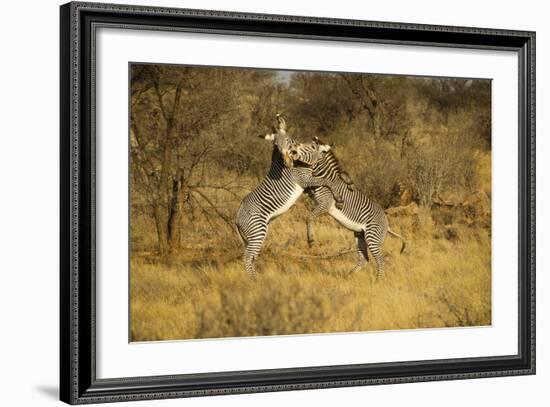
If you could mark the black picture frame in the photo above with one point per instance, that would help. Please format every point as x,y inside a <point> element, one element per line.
<point>78,382</point>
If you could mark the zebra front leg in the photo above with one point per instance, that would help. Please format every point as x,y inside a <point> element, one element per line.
<point>362,252</point>
<point>324,199</point>
<point>311,182</point>
<point>344,176</point>
<point>338,200</point>
<point>311,218</point>
<point>317,211</point>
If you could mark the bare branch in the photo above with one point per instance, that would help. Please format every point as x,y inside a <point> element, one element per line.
<point>221,215</point>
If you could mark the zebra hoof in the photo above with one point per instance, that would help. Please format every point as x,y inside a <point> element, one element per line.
<point>339,204</point>
<point>310,243</point>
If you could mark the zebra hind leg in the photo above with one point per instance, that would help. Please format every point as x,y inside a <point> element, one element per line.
<point>362,252</point>
<point>249,259</point>
<point>379,258</point>
<point>252,250</point>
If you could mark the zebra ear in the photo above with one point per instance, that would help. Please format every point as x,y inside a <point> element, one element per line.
<point>324,148</point>
<point>281,124</point>
<point>269,137</point>
<point>316,140</point>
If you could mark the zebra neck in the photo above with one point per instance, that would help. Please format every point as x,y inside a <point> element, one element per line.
<point>278,168</point>
<point>328,167</point>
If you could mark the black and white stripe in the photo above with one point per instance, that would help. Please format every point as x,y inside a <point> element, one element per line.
<point>275,195</point>
<point>358,213</point>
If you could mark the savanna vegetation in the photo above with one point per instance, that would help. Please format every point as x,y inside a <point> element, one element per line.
<point>421,147</point>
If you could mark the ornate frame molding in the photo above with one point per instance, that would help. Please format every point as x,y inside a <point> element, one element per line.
<point>79,384</point>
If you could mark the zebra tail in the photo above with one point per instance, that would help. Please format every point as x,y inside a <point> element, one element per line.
<point>391,232</point>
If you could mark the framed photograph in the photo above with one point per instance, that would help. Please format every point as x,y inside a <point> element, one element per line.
<point>254,203</point>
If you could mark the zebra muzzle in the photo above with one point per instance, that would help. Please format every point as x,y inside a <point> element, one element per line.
<point>287,159</point>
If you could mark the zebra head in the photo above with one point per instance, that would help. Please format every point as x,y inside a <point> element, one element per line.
<point>308,153</point>
<point>281,141</point>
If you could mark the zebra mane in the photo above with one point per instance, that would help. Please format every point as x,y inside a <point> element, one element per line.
<point>329,167</point>
<point>331,159</point>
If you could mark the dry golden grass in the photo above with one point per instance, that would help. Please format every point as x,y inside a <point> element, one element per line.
<point>422,139</point>
<point>443,279</point>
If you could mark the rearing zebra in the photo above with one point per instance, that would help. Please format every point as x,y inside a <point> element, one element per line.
<point>277,193</point>
<point>359,214</point>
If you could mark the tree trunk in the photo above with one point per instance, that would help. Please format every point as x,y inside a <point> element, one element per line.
<point>174,214</point>
<point>160,223</point>
<point>164,193</point>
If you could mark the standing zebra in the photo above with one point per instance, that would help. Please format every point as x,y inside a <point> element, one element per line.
<point>358,213</point>
<point>277,193</point>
